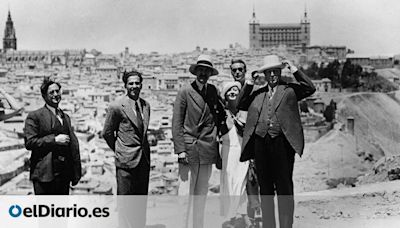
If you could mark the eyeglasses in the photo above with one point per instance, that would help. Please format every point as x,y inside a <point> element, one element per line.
<point>55,91</point>
<point>134,83</point>
<point>272,71</point>
<point>203,71</point>
<point>241,69</point>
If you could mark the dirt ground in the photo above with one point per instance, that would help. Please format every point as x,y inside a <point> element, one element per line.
<point>367,206</point>
<point>371,205</point>
<point>330,158</point>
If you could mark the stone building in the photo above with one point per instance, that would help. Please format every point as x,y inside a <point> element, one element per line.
<point>269,35</point>
<point>326,53</point>
<point>323,85</point>
<point>377,62</point>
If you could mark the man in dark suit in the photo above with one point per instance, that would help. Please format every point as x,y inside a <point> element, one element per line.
<point>197,118</point>
<point>273,134</point>
<point>55,159</point>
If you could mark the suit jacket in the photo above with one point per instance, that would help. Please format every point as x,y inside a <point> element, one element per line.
<point>40,138</point>
<point>286,109</point>
<point>195,124</point>
<point>122,135</point>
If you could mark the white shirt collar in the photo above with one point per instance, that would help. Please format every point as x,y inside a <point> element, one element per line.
<point>52,109</point>
<point>270,88</point>
<point>200,85</point>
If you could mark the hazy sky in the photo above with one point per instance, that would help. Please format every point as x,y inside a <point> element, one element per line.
<point>367,26</point>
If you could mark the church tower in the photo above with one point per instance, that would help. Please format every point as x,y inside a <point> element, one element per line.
<point>254,29</point>
<point>9,40</point>
<point>305,29</point>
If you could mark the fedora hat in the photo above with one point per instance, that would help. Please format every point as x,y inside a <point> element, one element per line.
<point>271,62</point>
<point>203,60</point>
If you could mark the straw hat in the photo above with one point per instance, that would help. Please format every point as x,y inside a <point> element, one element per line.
<point>203,60</point>
<point>271,62</point>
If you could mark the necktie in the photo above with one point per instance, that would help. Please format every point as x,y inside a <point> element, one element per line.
<point>59,115</point>
<point>271,92</point>
<point>139,117</point>
<point>203,92</point>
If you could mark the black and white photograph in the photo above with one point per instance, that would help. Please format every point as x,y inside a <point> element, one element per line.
<point>200,113</point>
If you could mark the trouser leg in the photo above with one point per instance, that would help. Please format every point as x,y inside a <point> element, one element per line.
<point>58,186</point>
<point>200,175</point>
<point>283,155</point>
<point>265,180</point>
<point>132,188</point>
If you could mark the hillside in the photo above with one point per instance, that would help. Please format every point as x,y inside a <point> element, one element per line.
<point>377,122</point>
<point>389,73</point>
<point>338,157</point>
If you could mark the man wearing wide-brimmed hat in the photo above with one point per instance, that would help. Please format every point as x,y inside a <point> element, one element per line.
<point>273,134</point>
<point>198,117</point>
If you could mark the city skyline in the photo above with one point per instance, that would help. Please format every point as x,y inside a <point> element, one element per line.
<point>369,27</point>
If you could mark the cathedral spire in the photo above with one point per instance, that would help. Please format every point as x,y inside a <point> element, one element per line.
<point>253,18</point>
<point>254,12</point>
<point>305,17</point>
<point>9,39</point>
<point>305,10</point>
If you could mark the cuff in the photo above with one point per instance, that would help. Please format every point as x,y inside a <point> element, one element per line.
<point>293,69</point>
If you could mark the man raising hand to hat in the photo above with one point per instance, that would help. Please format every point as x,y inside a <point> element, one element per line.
<point>273,134</point>
<point>197,118</point>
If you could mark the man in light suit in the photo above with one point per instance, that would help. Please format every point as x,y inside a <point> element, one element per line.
<point>273,134</point>
<point>197,118</point>
<point>125,131</point>
<point>55,159</point>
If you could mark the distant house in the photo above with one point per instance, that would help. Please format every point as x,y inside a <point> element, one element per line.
<point>327,52</point>
<point>99,97</point>
<point>84,90</point>
<point>378,62</point>
<point>323,85</point>
<point>107,70</point>
<point>319,106</point>
<point>149,82</point>
<point>168,82</point>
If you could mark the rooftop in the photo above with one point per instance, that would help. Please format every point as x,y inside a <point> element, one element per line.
<point>281,25</point>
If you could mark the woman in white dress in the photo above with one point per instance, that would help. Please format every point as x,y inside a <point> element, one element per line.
<point>234,172</point>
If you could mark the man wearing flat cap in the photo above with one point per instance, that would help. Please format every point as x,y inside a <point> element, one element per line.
<point>198,118</point>
<point>273,134</point>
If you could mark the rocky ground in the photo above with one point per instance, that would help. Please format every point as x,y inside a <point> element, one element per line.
<point>366,206</point>
<point>370,205</point>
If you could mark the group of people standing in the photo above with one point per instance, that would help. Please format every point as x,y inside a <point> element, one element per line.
<point>251,130</point>
<point>257,121</point>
